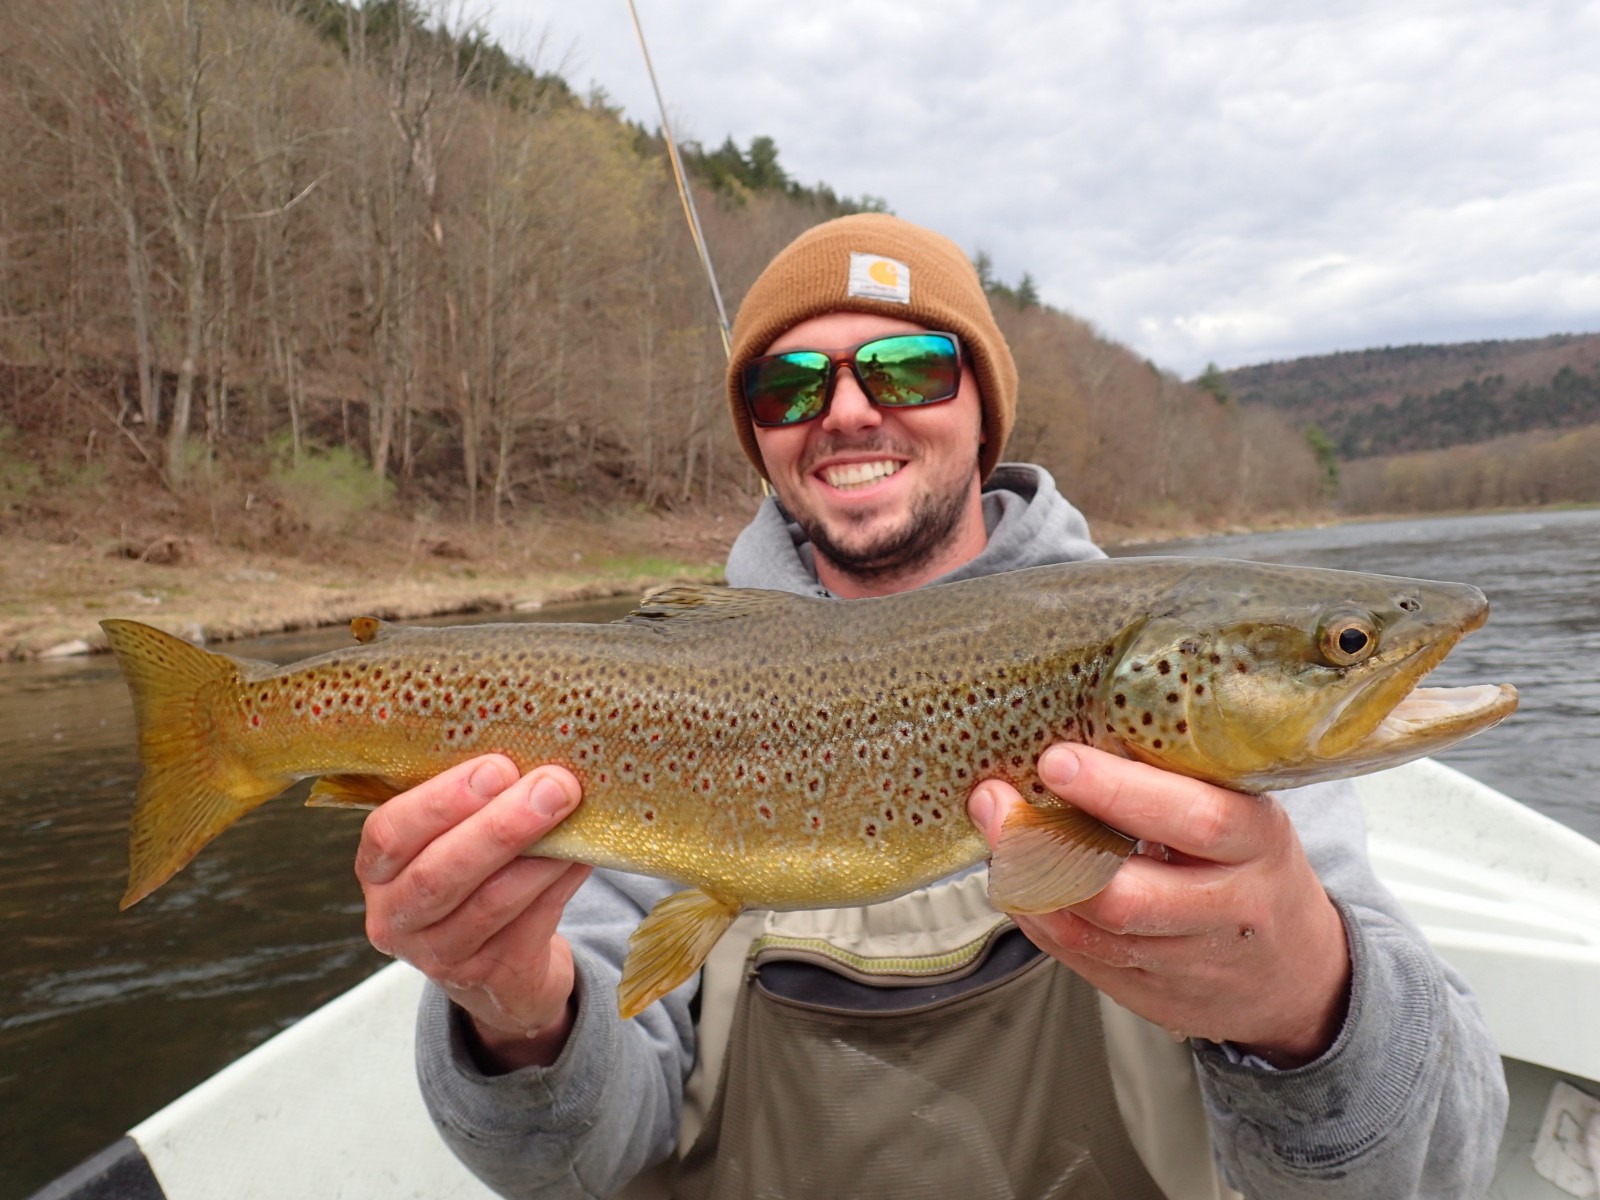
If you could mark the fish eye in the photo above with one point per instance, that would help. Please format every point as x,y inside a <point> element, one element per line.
<point>1347,640</point>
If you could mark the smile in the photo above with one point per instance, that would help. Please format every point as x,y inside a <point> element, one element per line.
<point>856,475</point>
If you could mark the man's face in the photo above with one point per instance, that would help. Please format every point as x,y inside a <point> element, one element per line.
<point>889,497</point>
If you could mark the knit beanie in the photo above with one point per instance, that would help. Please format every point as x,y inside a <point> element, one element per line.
<point>877,263</point>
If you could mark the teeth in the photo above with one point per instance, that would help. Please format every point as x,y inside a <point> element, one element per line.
<point>858,474</point>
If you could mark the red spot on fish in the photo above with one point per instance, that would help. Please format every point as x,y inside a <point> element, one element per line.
<point>255,720</point>
<point>766,812</point>
<point>316,710</point>
<point>383,714</point>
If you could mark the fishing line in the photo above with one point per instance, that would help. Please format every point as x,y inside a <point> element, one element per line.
<point>685,195</point>
<point>683,188</point>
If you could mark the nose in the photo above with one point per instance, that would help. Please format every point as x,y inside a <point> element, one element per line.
<point>849,410</point>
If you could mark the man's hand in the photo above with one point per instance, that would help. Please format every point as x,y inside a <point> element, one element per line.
<point>1217,929</point>
<point>448,891</point>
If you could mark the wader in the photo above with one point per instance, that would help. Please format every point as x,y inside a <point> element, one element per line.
<point>925,1048</point>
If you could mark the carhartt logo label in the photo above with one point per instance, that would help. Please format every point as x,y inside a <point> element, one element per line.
<point>877,278</point>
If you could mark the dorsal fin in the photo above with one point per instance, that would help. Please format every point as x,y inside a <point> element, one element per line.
<point>694,603</point>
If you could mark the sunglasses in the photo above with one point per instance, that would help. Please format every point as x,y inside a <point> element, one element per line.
<point>903,370</point>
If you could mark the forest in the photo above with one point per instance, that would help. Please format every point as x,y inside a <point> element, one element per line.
<point>268,265</point>
<point>1489,424</point>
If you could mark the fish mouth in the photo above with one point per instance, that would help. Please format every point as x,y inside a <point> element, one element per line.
<point>1415,720</point>
<point>1433,718</point>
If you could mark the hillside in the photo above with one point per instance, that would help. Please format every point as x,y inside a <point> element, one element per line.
<point>355,277</point>
<point>1415,398</point>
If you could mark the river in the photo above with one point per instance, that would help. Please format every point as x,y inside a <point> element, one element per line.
<point>106,1016</point>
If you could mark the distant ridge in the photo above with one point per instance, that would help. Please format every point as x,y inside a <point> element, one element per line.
<point>1400,399</point>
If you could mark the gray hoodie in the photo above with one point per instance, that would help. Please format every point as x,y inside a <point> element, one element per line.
<point>1409,1101</point>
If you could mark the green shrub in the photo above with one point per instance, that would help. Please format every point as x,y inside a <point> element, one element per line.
<point>19,478</point>
<point>330,491</point>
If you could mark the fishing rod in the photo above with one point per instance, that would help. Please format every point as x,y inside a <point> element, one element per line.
<point>687,197</point>
<point>684,193</point>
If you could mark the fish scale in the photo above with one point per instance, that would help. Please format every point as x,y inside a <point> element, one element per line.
<point>778,751</point>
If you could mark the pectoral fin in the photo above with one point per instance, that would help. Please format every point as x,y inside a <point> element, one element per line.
<point>669,946</point>
<point>1049,858</point>
<point>351,791</point>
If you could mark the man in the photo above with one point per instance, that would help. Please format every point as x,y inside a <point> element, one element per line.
<point>1333,1054</point>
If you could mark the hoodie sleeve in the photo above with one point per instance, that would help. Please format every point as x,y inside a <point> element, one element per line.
<point>607,1108</point>
<point>1411,1098</point>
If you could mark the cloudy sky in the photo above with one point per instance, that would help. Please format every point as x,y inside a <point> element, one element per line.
<point>1204,180</point>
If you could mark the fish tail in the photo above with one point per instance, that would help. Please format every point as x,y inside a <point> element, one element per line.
<point>193,786</point>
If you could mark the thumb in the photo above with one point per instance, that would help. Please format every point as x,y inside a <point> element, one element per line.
<point>988,805</point>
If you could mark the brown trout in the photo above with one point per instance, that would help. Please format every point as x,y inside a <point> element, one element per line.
<point>775,751</point>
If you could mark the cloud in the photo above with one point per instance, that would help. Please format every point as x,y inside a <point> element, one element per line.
<point>1224,181</point>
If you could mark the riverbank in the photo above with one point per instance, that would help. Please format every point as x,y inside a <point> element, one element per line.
<point>54,591</point>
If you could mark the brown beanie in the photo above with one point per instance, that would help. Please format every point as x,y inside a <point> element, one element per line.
<point>876,263</point>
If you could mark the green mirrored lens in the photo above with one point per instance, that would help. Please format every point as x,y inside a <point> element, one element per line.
<point>787,388</point>
<point>907,369</point>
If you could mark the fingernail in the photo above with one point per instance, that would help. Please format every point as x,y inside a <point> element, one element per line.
<point>1059,766</point>
<point>981,807</point>
<point>489,780</point>
<point>549,799</point>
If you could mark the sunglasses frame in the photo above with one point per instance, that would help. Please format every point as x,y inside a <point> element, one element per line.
<point>847,358</point>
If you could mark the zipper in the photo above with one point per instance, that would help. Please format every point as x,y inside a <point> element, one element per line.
<point>877,971</point>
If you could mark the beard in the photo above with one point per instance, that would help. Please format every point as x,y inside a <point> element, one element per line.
<point>934,521</point>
